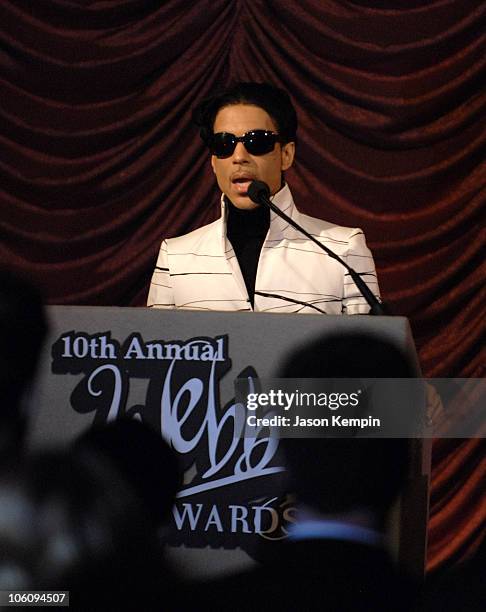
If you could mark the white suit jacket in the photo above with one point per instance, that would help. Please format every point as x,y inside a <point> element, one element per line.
<point>200,271</point>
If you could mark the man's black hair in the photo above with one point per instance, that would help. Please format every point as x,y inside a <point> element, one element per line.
<point>335,475</point>
<point>23,327</point>
<point>134,449</point>
<point>275,101</point>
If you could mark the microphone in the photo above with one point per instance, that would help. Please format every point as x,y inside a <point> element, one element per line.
<point>259,192</point>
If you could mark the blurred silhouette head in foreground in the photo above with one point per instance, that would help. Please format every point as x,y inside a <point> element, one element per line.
<point>341,475</point>
<point>143,458</point>
<point>70,522</point>
<point>23,327</point>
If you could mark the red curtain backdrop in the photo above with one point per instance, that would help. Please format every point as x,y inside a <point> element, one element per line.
<point>99,160</point>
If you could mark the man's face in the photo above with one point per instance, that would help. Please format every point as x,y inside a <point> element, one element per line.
<point>235,173</point>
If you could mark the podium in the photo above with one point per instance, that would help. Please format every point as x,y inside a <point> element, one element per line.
<point>102,363</point>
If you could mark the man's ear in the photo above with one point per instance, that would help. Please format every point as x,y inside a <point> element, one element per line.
<point>288,153</point>
<point>212,163</point>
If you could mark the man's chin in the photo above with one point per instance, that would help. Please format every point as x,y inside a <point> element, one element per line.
<point>242,202</point>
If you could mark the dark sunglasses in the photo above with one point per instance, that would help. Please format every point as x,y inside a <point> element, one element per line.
<point>256,142</point>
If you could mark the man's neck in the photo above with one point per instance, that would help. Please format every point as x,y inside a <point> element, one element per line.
<point>246,231</point>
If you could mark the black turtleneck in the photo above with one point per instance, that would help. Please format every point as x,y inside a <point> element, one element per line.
<point>246,230</point>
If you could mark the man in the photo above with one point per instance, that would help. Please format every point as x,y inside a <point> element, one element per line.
<point>335,558</point>
<point>23,328</point>
<point>250,259</point>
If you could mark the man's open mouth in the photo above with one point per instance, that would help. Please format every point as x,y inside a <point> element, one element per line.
<point>241,183</point>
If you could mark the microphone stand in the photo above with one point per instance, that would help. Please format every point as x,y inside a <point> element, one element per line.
<point>259,193</point>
